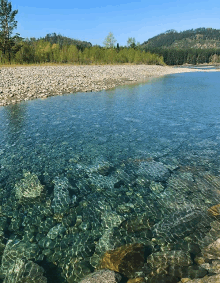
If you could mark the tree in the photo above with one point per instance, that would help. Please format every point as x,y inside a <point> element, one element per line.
<point>7,25</point>
<point>131,42</point>
<point>109,40</point>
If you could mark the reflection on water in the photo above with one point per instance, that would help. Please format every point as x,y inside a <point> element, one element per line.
<point>125,180</point>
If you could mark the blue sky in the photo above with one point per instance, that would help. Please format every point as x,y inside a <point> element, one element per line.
<point>93,20</point>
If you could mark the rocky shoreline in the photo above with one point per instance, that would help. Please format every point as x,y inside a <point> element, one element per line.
<point>30,82</point>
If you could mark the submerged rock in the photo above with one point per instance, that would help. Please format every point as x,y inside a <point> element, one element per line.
<point>165,259</point>
<point>102,276</point>
<point>180,224</point>
<point>206,279</point>
<point>125,259</point>
<point>28,188</point>
<point>25,271</point>
<point>56,231</point>
<point>16,250</point>
<point>155,171</point>
<point>61,200</point>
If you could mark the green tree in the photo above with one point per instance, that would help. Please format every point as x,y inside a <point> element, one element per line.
<point>7,25</point>
<point>109,40</point>
<point>131,42</point>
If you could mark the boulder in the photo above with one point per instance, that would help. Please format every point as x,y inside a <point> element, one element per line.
<point>102,276</point>
<point>126,259</point>
<point>28,188</point>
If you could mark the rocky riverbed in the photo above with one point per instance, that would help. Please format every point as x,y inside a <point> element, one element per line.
<point>31,82</point>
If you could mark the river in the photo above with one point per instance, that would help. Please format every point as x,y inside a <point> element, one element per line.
<point>83,175</point>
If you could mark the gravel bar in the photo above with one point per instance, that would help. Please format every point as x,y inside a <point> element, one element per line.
<point>31,82</point>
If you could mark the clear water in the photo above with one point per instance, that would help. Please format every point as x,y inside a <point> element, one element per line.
<point>145,154</point>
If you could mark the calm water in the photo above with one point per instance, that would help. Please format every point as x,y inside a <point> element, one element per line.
<point>137,164</point>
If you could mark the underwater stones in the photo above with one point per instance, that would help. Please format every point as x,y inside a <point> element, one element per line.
<point>28,188</point>
<point>212,251</point>
<point>156,187</point>
<point>106,242</point>
<point>125,208</point>
<point>137,223</point>
<point>168,266</point>
<point>180,224</point>
<point>125,259</point>
<point>213,267</point>
<point>15,250</point>
<point>46,243</point>
<point>214,210</point>
<point>56,231</point>
<point>165,259</point>
<point>206,279</point>
<point>153,170</point>
<point>46,225</point>
<point>61,200</point>
<point>74,268</point>
<point>102,276</point>
<point>100,183</point>
<point>101,167</point>
<point>25,271</point>
<point>111,219</point>
<point>136,280</point>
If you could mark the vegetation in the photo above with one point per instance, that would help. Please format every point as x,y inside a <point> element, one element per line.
<point>172,48</point>
<point>203,38</point>
<point>42,51</point>
<point>55,48</point>
<point>109,41</point>
<point>192,46</point>
<point>7,25</point>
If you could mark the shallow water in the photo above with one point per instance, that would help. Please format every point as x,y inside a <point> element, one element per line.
<point>136,164</point>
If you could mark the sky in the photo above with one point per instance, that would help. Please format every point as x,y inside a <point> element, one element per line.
<point>92,20</point>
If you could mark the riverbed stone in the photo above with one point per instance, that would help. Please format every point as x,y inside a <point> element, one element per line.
<point>61,200</point>
<point>28,188</point>
<point>102,276</point>
<point>31,82</point>
<point>125,259</point>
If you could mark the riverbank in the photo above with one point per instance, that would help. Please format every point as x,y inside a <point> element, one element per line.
<point>31,82</point>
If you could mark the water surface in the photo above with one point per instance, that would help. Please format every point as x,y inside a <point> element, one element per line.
<point>145,154</point>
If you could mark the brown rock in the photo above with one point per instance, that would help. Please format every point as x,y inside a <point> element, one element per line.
<point>136,280</point>
<point>212,251</point>
<point>199,260</point>
<point>206,279</point>
<point>214,210</point>
<point>126,259</point>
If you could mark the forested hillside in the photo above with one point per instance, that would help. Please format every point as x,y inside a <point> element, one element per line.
<point>54,38</point>
<point>194,38</point>
<point>195,46</point>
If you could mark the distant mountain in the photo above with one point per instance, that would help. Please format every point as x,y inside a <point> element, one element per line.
<point>200,38</point>
<point>63,40</point>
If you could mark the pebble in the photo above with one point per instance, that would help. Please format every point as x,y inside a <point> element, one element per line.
<point>30,82</point>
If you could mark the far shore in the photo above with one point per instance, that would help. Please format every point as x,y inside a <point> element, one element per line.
<point>20,83</point>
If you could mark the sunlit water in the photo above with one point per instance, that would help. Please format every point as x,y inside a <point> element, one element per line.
<point>147,154</point>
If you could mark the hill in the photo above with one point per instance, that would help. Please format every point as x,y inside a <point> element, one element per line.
<point>200,38</point>
<point>54,38</point>
<point>194,46</point>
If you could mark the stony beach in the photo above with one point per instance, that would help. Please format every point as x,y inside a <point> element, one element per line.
<point>31,82</point>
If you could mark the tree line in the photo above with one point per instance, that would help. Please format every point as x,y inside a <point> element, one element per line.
<point>42,51</point>
<point>187,56</point>
<point>55,48</point>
